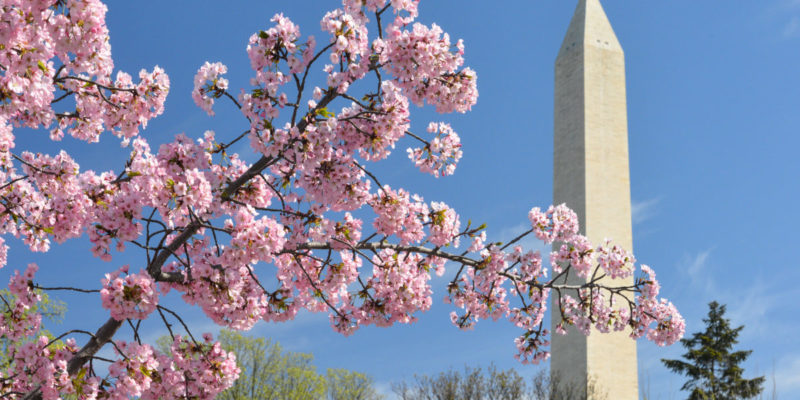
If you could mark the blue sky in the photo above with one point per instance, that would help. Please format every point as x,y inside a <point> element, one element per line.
<point>713,107</point>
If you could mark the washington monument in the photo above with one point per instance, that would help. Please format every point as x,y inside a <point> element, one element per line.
<point>591,176</point>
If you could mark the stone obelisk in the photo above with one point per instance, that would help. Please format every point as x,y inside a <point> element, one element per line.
<point>591,176</point>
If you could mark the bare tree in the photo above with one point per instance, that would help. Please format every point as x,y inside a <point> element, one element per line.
<point>448,385</point>
<point>546,386</point>
<point>493,384</point>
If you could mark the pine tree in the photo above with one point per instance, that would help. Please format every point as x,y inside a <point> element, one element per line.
<point>712,367</point>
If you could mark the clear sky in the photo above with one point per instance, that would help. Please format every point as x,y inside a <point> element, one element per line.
<point>714,109</point>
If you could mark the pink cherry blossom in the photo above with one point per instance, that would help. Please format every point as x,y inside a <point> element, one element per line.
<point>134,296</point>
<point>441,155</point>
<point>208,85</point>
<point>306,226</point>
<point>444,225</point>
<point>558,223</point>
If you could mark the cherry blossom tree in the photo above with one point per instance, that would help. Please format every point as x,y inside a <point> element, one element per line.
<point>211,226</point>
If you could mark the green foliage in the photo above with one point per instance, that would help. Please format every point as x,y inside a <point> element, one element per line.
<point>270,373</point>
<point>712,368</point>
<point>349,385</point>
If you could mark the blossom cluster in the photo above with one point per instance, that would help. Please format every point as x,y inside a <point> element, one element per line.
<point>424,65</point>
<point>400,284</point>
<point>669,324</point>
<point>558,223</point>
<point>208,85</point>
<point>399,214</point>
<point>614,260</point>
<point>340,234</point>
<point>445,225</point>
<point>18,321</point>
<point>481,291</point>
<point>374,131</point>
<point>441,155</point>
<point>266,49</point>
<point>134,296</point>
<point>577,253</point>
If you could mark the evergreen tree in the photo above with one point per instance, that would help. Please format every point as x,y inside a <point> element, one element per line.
<point>712,367</point>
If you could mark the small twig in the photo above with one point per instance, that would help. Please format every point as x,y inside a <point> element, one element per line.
<point>109,88</point>
<point>409,133</point>
<point>67,288</point>
<point>185,327</point>
<point>380,187</point>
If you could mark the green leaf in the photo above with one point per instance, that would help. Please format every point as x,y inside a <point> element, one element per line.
<point>81,374</point>
<point>42,66</point>
<point>324,112</point>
